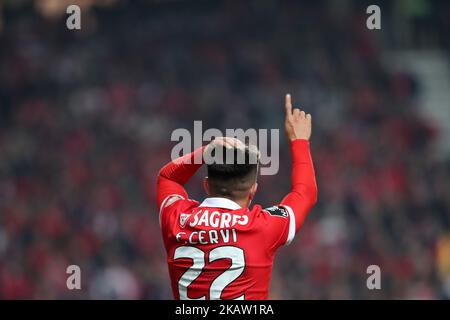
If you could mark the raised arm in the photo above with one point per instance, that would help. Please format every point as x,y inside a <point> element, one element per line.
<point>303,194</point>
<point>174,175</point>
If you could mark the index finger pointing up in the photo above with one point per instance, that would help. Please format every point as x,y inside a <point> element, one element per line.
<point>288,106</point>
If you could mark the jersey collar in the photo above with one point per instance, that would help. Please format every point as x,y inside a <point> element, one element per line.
<point>220,203</point>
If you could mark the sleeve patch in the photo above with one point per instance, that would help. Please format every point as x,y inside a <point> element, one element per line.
<point>277,211</point>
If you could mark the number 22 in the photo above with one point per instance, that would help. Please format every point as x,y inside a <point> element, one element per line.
<point>198,257</point>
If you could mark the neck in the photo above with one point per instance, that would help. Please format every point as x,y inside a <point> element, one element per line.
<point>243,203</point>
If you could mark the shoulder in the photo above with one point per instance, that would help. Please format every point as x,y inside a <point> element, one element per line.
<point>277,223</point>
<point>277,211</point>
<point>177,200</point>
<point>175,203</point>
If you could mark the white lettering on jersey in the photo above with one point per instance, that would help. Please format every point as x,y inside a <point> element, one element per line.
<point>208,237</point>
<point>214,219</point>
<point>217,220</point>
<point>225,235</point>
<point>213,237</point>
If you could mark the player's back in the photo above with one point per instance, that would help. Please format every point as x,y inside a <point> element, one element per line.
<point>218,250</point>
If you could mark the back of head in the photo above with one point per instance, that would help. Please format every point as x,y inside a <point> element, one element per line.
<point>233,171</point>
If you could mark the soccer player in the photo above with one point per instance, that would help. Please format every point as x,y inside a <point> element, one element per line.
<point>221,248</point>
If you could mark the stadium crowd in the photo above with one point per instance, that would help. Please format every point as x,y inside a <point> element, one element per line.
<point>85,125</point>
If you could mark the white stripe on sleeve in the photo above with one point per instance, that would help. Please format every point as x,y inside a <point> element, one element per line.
<point>291,233</point>
<point>166,203</point>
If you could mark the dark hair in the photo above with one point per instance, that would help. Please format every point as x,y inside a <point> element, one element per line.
<point>232,180</point>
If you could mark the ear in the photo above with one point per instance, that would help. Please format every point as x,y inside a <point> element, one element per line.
<point>253,190</point>
<point>206,185</point>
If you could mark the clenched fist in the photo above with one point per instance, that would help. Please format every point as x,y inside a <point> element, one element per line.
<point>297,124</point>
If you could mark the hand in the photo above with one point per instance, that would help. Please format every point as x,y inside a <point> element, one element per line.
<point>297,124</point>
<point>227,142</point>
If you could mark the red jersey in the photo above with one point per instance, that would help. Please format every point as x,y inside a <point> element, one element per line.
<point>218,250</point>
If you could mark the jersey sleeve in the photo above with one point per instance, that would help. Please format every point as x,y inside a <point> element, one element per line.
<point>286,219</point>
<point>168,203</point>
<point>279,226</point>
<point>172,205</point>
<point>175,174</point>
<point>303,194</point>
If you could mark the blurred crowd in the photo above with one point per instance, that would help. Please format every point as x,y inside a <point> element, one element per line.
<point>85,124</point>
